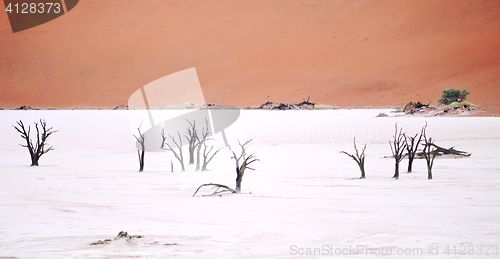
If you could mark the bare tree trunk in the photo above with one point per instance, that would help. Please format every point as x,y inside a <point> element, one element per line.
<point>239,178</point>
<point>191,155</point>
<point>410,164</point>
<point>198,157</point>
<point>141,152</point>
<point>362,168</point>
<point>411,147</point>
<point>141,160</point>
<point>396,172</point>
<point>193,141</point>
<point>428,152</point>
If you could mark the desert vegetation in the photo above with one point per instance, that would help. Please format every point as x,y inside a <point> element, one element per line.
<point>451,95</point>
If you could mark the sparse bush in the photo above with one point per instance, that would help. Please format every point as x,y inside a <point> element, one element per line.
<point>188,105</point>
<point>455,105</point>
<point>382,115</point>
<point>325,107</point>
<point>397,109</point>
<point>451,95</point>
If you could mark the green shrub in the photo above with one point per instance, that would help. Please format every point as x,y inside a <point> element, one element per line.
<point>451,95</point>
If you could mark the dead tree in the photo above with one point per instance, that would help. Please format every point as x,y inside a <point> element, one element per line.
<point>140,152</point>
<point>245,160</point>
<point>193,140</point>
<point>206,156</point>
<point>177,155</point>
<point>359,158</point>
<point>201,142</point>
<point>411,144</point>
<point>429,152</point>
<point>38,149</point>
<point>163,138</point>
<point>397,148</point>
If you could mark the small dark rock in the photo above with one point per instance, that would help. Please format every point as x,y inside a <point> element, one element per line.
<point>121,107</point>
<point>26,107</point>
<point>121,234</point>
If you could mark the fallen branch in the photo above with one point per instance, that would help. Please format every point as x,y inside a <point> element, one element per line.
<point>219,186</point>
<point>439,151</point>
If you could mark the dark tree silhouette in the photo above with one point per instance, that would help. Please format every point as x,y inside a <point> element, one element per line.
<point>140,152</point>
<point>38,149</point>
<point>397,148</point>
<point>411,144</point>
<point>359,158</point>
<point>429,152</point>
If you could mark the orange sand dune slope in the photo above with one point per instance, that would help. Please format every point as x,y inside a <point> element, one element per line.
<point>247,52</point>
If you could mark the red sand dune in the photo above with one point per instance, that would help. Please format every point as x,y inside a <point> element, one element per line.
<point>247,52</point>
